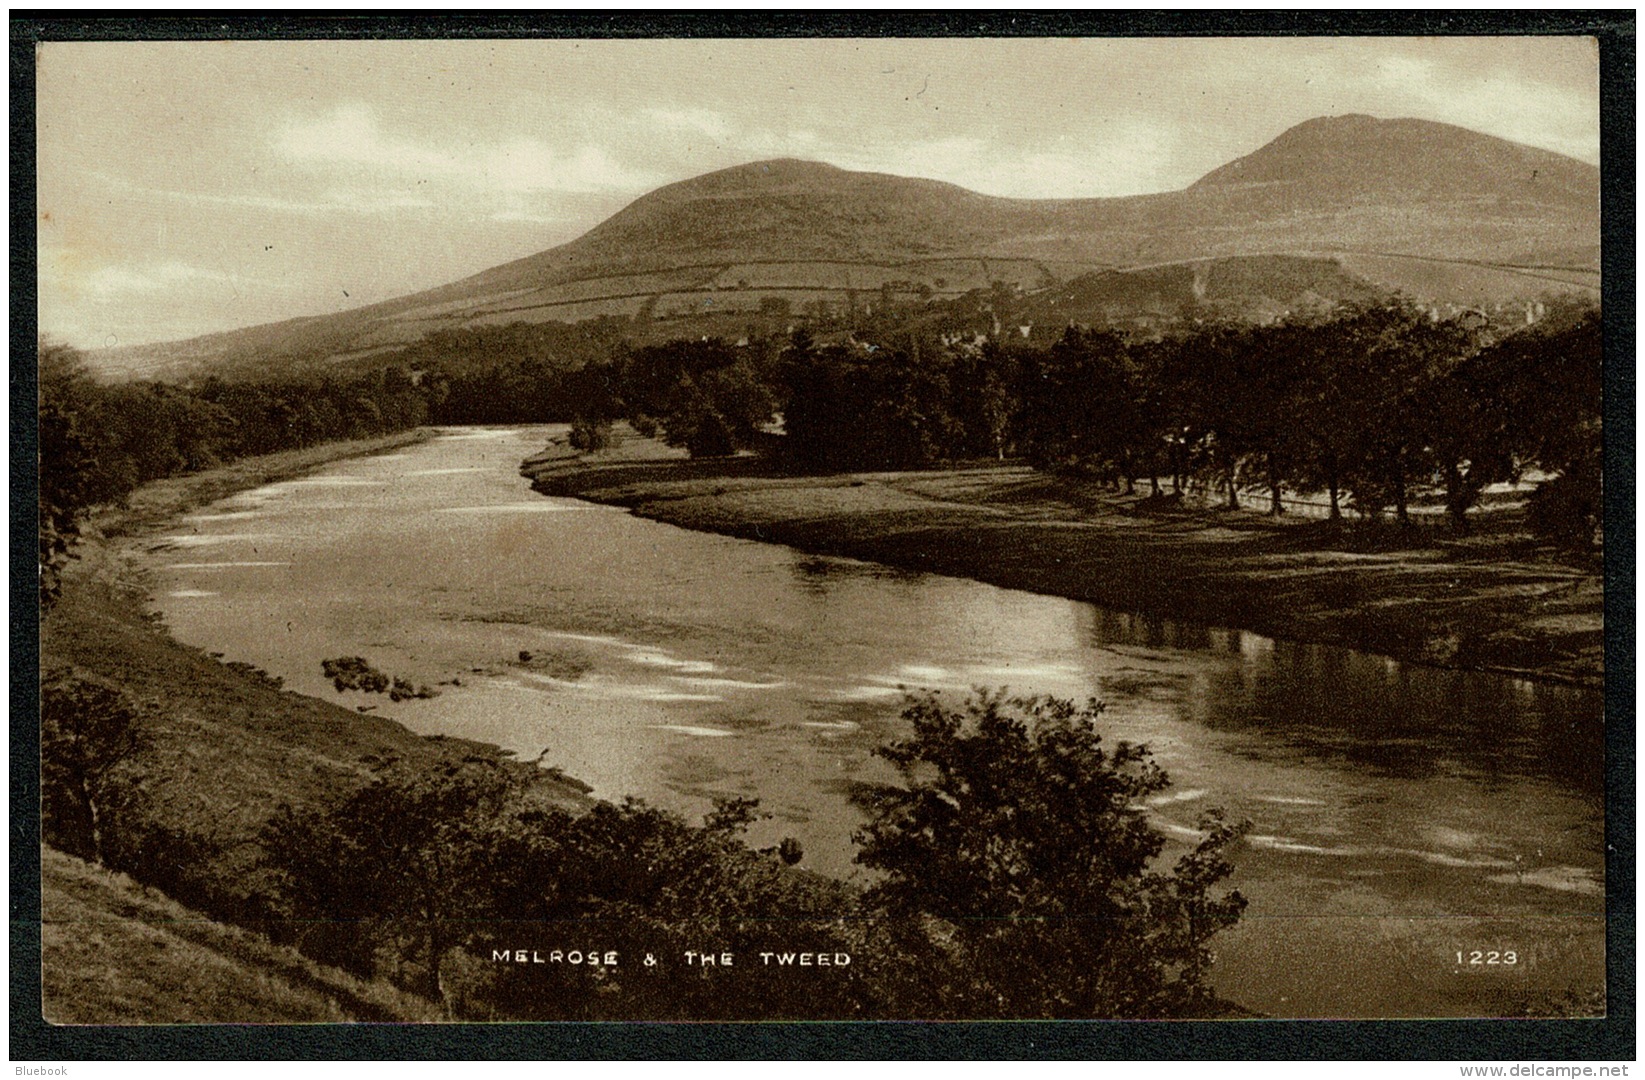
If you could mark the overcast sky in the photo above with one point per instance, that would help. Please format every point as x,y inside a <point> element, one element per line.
<point>192,187</point>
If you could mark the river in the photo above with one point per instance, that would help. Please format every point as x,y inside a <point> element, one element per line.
<point>1400,815</point>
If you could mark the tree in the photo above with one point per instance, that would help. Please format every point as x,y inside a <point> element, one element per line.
<point>819,407</point>
<point>1016,860</point>
<point>872,406</point>
<point>64,461</point>
<point>1157,433</point>
<point>1274,367</point>
<point>642,880</point>
<point>1330,422</point>
<point>590,435</point>
<point>1219,365</point>
<point>708,396</point>
<point>428,868</point>
<point>1470,432</point>
<point>404,857</point>
<point>1080,406</point>
<point>87,731</point>
<point>1558,409</point>
<point>1400,354</point>
<point>907,422</point>
<point>164,429</point>
<point>980,382</point>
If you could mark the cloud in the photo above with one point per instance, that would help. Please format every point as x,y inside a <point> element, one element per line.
<point>1112,159</point>
<point>351,141</point>
<point>716,125</point>
<point>91,302</point>
<point>1510,108</point>
<point>67,271</point>
<point>153,277</point>
<point>524,166</point>
<point>125,279</point>
<point>366,201</point>
<point>349,134</point>
<point>527,217</point>
<point>358,200</point>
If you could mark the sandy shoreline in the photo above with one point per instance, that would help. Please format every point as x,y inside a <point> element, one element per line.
<point>1490,602</point>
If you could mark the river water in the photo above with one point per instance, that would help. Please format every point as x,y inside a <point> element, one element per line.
<point>1400,815</point>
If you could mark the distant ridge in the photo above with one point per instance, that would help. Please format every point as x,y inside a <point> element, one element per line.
<point>796,239</point>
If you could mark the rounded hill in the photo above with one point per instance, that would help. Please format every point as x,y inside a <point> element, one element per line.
<point>801,209</point>
<point>1356,154</point>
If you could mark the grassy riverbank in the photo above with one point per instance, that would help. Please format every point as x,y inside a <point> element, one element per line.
<point>221,747</point>
<point>156,503</point>
<point>1494,600</point>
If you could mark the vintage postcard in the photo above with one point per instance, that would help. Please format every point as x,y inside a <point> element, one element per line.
<point>870,528</point>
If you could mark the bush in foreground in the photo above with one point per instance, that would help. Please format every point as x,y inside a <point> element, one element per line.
<point>1017,881</point>
<point>1017,861</point>
<point>427,874</point>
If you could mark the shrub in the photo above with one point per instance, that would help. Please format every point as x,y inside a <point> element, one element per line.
<point>590,435</point>
<point>423,873</point>
<point>1566,510</point>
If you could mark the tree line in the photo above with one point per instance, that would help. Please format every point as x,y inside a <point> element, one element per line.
<point>100,441</point>
<point>1015,874</point>
<point>1368,407</point>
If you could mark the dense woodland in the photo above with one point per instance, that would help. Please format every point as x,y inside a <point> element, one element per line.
<point>1367,408</point>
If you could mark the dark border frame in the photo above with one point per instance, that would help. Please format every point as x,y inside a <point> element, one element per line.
<point>1612,1038</point>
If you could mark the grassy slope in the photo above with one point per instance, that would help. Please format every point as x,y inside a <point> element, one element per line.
<point>115,952</point>
<point>1492,601</point>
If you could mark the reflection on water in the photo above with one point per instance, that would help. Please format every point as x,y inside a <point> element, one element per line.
<point>1318,702</point>
<point>1393,807</point>
<point>817,574</point>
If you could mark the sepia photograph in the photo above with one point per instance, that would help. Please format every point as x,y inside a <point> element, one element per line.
<point>820,528</point>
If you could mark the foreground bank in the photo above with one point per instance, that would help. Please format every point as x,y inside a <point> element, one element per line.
<point>1492,601</point>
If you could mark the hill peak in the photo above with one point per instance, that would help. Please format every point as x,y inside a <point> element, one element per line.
<point>785,176</point>
<point>773,173</point>
<point>798,208</point>
<point>1355,153</point>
